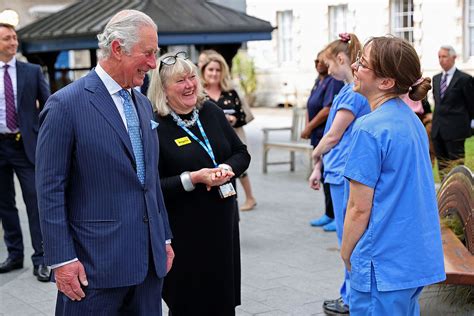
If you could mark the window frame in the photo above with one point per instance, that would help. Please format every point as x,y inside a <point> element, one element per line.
<point>401,20</point>
<point>334,28</point>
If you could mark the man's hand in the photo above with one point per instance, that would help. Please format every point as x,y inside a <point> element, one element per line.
<point>169,257</point>
<point>69,279</point>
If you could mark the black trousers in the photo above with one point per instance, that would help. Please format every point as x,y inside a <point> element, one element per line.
<point>449,153</point>
<point>327,197</point>
<point>13,160</point>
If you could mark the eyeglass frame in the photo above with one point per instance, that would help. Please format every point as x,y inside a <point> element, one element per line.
<point>182,55</point>
<point>359,64</point>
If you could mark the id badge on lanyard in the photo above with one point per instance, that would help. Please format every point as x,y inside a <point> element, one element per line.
<point>227,189</point>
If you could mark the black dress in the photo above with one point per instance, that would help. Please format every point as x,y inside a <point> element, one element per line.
<point>229,100</point>
<point>205,278</point>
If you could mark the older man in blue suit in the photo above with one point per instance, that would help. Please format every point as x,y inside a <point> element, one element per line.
<point>23,93</point>
<point>105,226</point>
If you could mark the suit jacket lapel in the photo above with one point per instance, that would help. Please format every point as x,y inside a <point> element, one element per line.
<point>436,85</point>
<point>21,77</point>
<point>104,104</point>
<point>453,81</point>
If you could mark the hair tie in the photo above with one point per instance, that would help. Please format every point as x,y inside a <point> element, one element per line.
<point>418,82</point>
<point>345,37</point>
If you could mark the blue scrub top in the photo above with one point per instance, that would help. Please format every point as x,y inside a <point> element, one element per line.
<point>321,96</point>
<point>390,153</point>
<point>335,159</point>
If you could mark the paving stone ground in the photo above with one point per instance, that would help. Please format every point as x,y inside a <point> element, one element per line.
<point>288,267</point>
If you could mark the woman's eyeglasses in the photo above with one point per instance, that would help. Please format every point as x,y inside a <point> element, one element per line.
<point>358,62</point>
<point>171,60</point>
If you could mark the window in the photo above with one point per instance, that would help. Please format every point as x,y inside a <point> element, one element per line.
<point>402,19</point>
<point>469,18</point>
<point>285,36</point>
<point>337,21</point>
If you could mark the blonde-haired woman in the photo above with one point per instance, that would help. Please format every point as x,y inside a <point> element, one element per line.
<point>218,86</point>
<point>200,154</point>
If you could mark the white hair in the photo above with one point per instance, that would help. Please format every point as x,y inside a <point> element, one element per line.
<point>124,27</point>
<point>450,49</point>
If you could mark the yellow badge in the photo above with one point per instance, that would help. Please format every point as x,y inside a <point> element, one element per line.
<point>182,141</point>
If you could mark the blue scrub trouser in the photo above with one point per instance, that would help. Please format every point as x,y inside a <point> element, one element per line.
<point>394,303</point>
<point>337,196</point>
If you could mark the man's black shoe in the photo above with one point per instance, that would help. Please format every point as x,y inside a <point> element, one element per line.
<point>41,272</point>
<point>336,308</point>
<point>9,265</point>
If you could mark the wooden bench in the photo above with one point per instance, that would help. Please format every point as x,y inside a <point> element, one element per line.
<point>458,261</point>
<point>456,199</point>
<point>294,143</point>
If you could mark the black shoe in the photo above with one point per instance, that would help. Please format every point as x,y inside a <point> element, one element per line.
<point>10,264</point>
<point>326,302</point>
<point>41,272</point>
<point>336,308</point>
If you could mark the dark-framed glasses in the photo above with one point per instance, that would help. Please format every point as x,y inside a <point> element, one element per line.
<point>171,60</point>
<point>359,63</point>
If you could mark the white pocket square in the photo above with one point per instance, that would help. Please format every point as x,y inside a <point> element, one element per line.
<point>154,124</point>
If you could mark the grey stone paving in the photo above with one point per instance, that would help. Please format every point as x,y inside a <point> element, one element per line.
<point>288,267</point>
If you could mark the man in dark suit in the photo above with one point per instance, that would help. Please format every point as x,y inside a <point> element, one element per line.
<point>105,225</point>
<point>23,93</point>
<point>453,111</point>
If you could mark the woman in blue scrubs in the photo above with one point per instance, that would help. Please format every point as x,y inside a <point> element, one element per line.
<point>347,107</point>
<point>319,103</point>
<point>392,241</point>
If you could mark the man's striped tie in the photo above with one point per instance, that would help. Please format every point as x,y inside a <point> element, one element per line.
<point>443,85</point>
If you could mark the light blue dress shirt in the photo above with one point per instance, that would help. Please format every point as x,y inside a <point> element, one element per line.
<point>390,153</point>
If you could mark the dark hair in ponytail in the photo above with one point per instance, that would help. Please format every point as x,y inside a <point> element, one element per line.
<point>393,57</point>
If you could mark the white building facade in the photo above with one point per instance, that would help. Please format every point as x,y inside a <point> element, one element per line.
<point>285,65</point>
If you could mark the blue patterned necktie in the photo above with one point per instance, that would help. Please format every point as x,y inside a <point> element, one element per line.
<point>443,85</point>
<point>133,125</point>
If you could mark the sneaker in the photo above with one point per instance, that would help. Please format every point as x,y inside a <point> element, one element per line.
<point>331,227</point>
<point>323,220</point>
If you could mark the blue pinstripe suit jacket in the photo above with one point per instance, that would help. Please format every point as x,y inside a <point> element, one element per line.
<point>92,205</point>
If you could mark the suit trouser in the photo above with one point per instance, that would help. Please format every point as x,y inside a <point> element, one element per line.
<point>143,299</point>
<point>13,160</point>
<point>337,194</point>
<point>449,153</point>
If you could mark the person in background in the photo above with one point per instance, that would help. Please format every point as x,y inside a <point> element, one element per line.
<point>319,102</point>
<point>105,225</point>
<point>334,146</point>
<point>200,154</point>
<point>422,109</point>
<point>218,87</point>
<point>453,94</point>
<point>23,93</point>
<point>390,255</point>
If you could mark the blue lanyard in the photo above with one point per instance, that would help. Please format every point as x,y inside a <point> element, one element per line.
<point>207,146</point>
